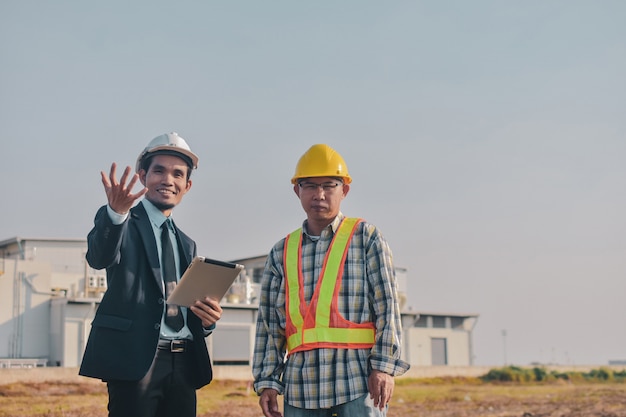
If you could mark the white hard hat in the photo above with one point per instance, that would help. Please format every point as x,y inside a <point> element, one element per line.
<point>168,143</point>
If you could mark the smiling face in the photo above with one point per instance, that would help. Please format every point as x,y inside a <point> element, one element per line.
<point>166,180</point>
<point>321,200</point>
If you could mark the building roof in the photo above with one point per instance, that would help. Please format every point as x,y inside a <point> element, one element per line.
<point>437,313</point>
<point>18,239</point>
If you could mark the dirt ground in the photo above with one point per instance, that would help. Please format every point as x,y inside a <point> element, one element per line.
<point>577,402</point>
<point>236,399</point>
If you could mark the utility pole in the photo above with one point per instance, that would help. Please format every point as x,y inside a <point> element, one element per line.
<point>504,345</point>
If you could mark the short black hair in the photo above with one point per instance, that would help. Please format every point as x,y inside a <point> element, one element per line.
<point>147,160</point>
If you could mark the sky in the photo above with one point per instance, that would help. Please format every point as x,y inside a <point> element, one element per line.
<point>486,140</point>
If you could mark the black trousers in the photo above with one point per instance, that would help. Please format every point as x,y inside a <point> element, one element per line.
<point>165,391</point>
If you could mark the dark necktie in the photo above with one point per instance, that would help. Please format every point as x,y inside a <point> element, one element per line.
<point>173,315</point>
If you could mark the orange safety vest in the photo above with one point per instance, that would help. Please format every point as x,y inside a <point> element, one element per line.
<point>319,324</point>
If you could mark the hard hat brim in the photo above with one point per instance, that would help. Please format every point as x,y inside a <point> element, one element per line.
<point>346,179</point>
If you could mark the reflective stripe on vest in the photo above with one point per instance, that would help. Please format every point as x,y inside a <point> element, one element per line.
<point>309,326</point>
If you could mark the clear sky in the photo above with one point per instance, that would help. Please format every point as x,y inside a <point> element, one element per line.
<point>486,140</point>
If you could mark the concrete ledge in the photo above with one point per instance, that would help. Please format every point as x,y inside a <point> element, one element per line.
<point>445,371</point>
<point>70,375</point>
<point>477,371</point>
<point>56,374</point>
<point>244,373</point>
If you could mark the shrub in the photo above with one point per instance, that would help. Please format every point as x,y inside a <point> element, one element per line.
<point>509,374</point>
<point>602,374</point>
<point>540,374</point>
<point>537,374</point>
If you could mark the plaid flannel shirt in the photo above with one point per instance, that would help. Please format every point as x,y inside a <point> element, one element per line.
<point>323,378</point>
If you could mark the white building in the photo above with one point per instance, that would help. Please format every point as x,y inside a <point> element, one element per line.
<point>50,296</point>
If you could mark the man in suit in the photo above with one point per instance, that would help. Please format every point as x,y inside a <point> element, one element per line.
<point>152,355</point>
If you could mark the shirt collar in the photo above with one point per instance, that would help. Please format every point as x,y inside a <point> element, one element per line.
<point>334,225</point>
<point>154,214</point>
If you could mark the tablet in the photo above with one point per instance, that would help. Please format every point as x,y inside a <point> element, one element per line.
<point>204,278</point>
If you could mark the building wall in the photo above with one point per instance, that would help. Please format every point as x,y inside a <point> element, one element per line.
<point>420,346</point>
<point>24,312</point>
<point>68,264</point>
<point>232,341</point>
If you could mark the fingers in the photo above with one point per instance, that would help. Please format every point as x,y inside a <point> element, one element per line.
<point>208,311</point>
<point>385,397</point>
<point>376,397</point>
<point>381,387</point>
<point>132,182</point>
<point>109,180</point>
<point>137,194</point>
<point>209,306</point>
<point>105,180</point>
<point>380,398</point>
<point>214,304</point>
<point>124,176</point>
<point>265,406</point>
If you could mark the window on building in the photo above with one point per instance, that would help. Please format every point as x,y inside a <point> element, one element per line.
<point>439,322</point>
<point>257,275</point>
<point>422,321</point>
<point>457,323</point>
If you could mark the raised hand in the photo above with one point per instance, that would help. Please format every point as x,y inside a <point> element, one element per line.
<point>119,195</point>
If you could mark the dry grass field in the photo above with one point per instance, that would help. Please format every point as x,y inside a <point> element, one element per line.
<point>467,397</point>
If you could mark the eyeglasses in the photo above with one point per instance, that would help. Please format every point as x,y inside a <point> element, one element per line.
<point>312,186</point>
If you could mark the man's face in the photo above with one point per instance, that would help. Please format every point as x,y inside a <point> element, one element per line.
<point>166,181</point>
<point>321,197</point>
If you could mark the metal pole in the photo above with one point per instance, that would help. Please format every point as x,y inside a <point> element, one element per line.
<point>504,345</point>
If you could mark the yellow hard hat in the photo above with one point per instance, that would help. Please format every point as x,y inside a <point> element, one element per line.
<point>321,161</point>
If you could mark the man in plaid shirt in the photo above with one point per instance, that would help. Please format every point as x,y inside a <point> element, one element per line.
<point>328,333</point>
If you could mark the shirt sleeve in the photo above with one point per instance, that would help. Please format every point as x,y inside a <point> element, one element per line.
<point>270,342</point>
<point>208,330</point>
<point>385,355</point>
<point>115,217</point>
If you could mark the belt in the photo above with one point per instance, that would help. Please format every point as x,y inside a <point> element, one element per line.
<point>174,346</point>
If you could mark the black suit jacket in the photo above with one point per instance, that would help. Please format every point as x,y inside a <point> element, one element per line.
<point>125,331</point>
